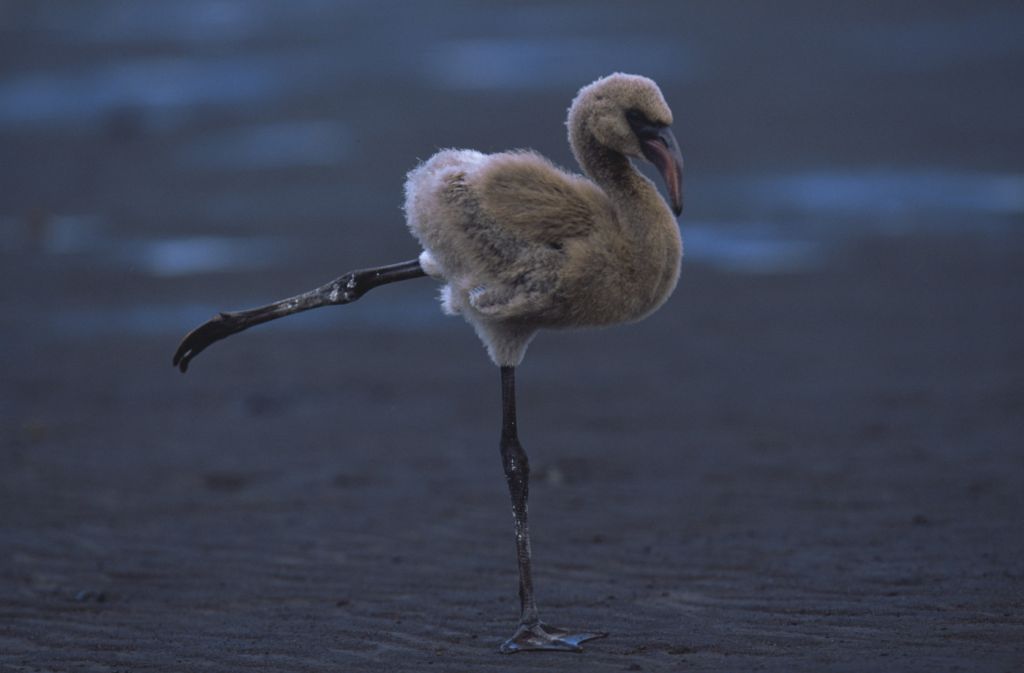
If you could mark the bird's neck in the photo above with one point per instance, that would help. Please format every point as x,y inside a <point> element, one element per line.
<point>614,173</point>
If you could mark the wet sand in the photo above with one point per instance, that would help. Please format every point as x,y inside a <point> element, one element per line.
<point>816,471</point>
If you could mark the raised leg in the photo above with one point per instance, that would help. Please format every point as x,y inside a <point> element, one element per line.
<point>532,633</point>
<point>343,290</point>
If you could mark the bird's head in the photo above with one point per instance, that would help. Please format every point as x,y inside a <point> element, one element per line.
<point>628,114</point>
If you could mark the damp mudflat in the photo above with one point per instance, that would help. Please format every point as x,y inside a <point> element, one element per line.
<point>807,460</point>
<point>784,471</point>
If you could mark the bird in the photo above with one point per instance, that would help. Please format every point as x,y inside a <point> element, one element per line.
<point>520,245</point>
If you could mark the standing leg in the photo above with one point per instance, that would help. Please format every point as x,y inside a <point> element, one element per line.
<point>532,634</point>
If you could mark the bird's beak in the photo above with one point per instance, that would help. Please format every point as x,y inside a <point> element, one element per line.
<point>660,148</point>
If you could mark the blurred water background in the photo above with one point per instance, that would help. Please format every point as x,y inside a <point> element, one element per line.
<point>198,144</point>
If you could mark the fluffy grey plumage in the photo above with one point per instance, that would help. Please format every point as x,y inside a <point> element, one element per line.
<point>523,245</point>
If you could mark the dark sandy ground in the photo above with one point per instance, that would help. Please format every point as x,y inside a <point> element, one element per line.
<point>816,471</point>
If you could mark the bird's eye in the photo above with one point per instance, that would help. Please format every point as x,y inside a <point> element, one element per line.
<point>634,115</point>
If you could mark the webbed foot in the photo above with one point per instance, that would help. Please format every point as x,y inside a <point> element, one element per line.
<point>541,636</point>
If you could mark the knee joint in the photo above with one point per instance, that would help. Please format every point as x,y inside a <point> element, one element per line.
<point>514,458</point>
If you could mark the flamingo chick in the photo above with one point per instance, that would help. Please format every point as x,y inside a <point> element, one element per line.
<point>522,245</point>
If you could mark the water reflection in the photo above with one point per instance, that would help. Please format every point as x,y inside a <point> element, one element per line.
<point>932,43</point>
<point>892,191</point>
<point>287,144</point>
<point>554,63</point>
<point>163,88</point>
<point>90,238</point>
<point>831,205</point>
<point>201,254</point>
<point>750,248</point>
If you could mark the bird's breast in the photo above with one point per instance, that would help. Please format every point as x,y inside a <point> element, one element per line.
<point>616,278</point>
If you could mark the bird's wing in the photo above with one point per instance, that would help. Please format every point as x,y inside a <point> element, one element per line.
<point>532,198</point>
